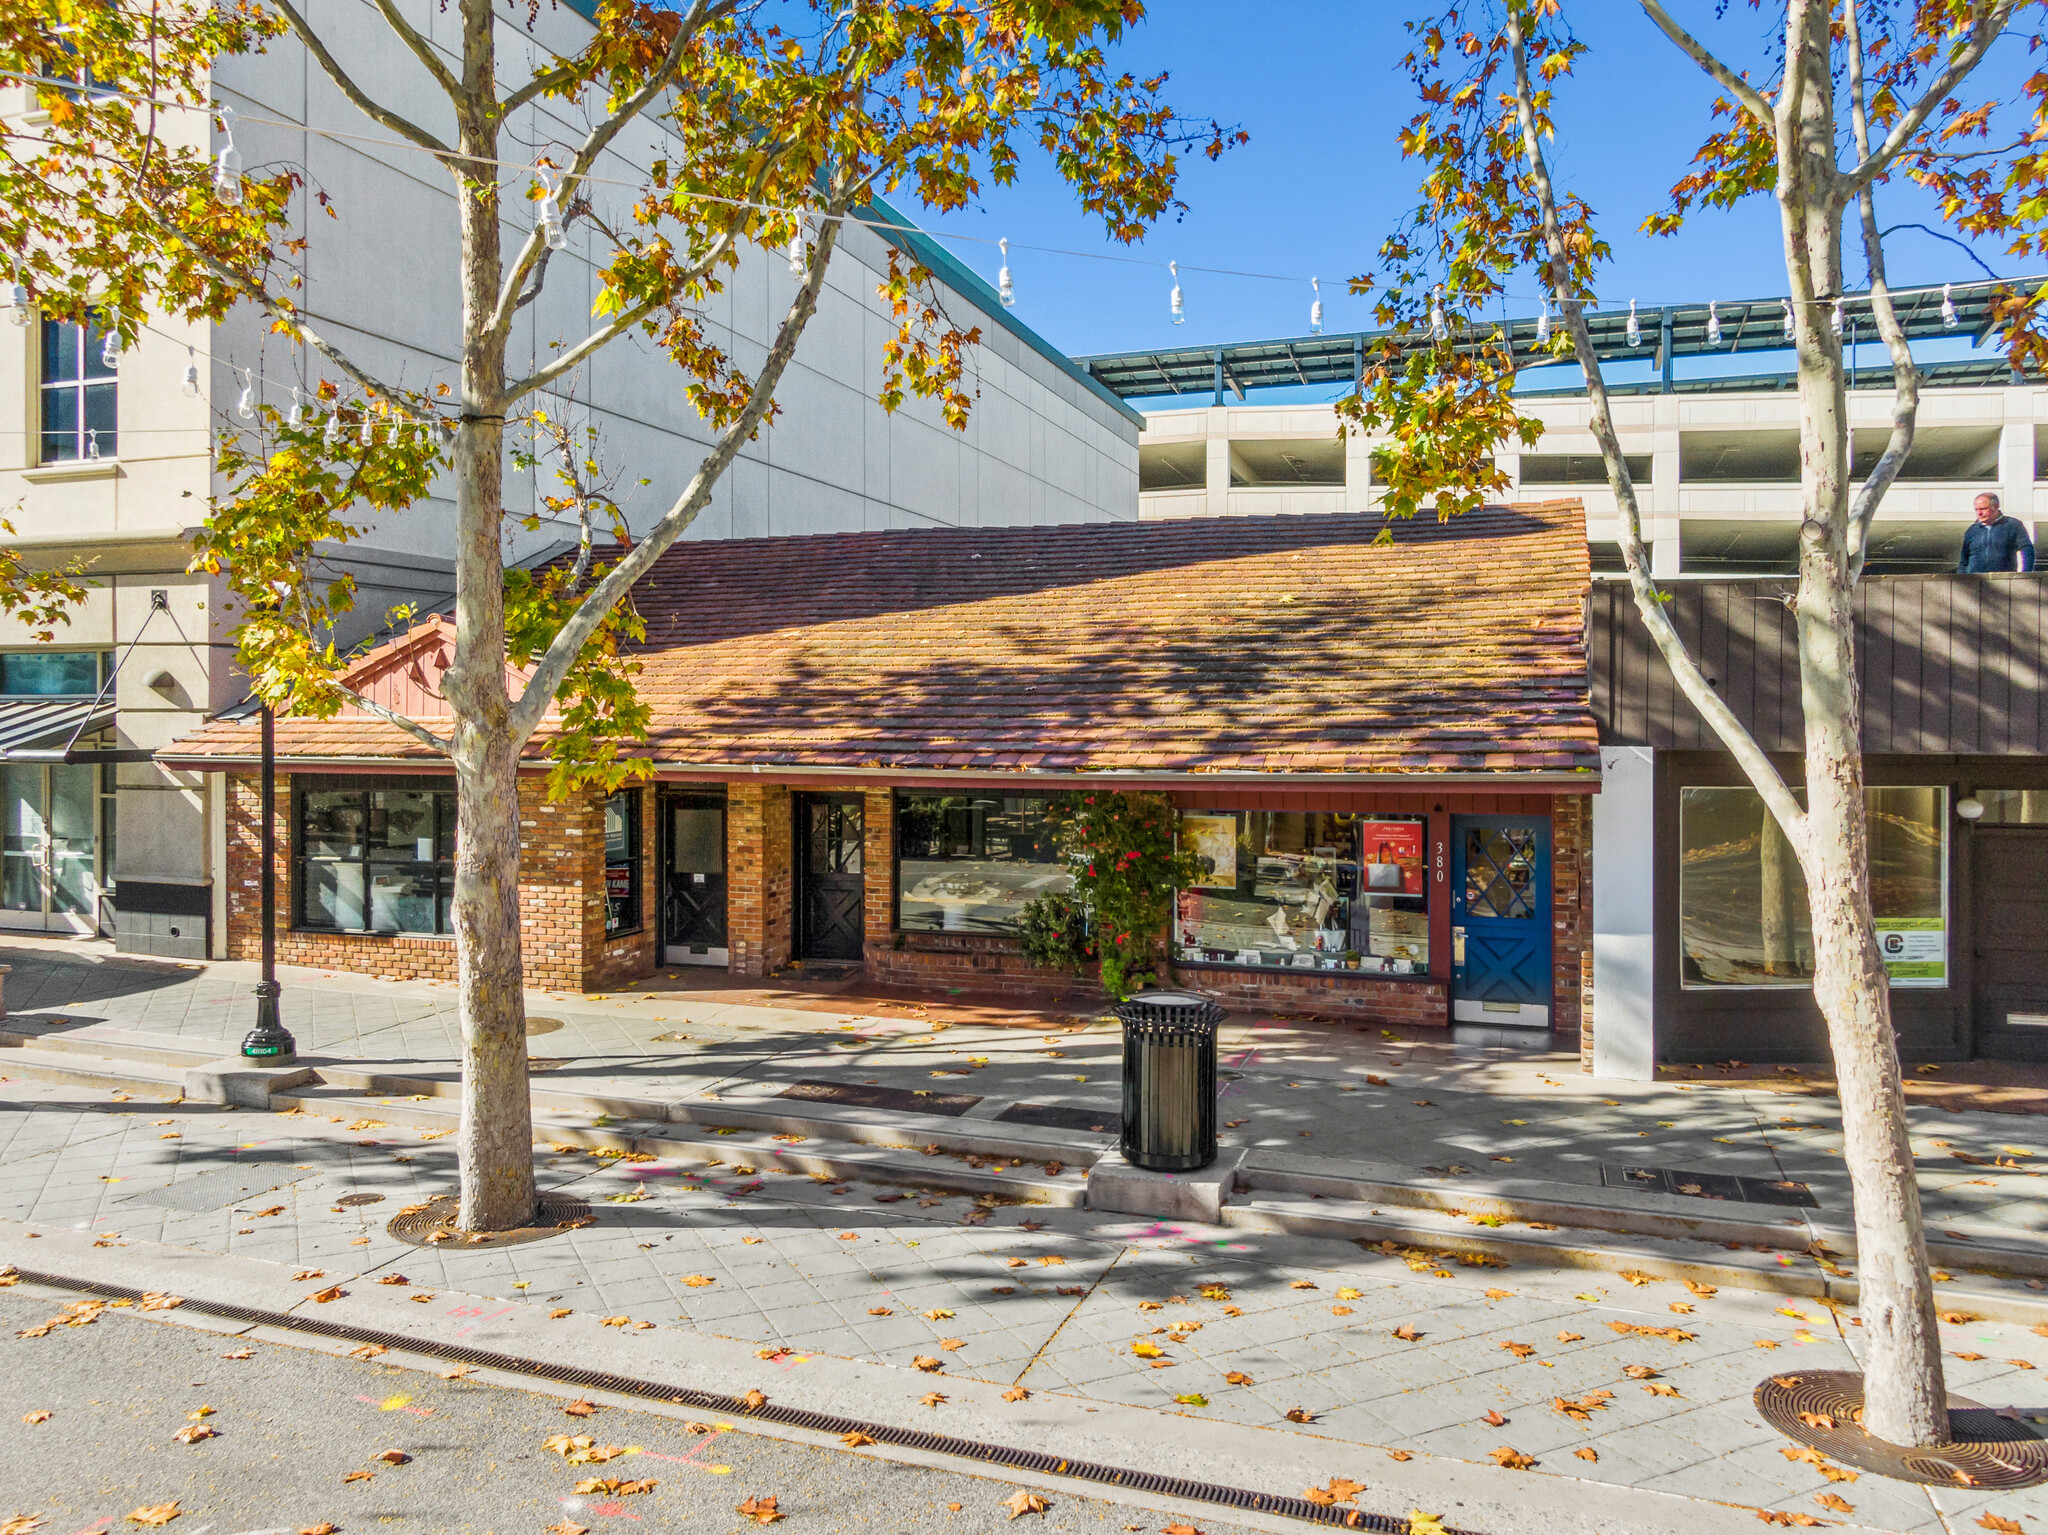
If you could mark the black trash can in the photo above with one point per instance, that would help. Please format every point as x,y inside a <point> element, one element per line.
<point>1169,1080</point>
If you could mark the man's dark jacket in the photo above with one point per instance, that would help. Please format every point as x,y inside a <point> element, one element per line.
<point>1993,546</point>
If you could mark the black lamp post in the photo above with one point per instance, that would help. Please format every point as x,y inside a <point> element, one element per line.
<point>269,1042</point>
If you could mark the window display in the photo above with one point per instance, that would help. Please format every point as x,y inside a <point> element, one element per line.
<point>379,860</point>
<point>621,862</point>
<point>1743,918</point>
<point>1305,890</point>
<point>971,863</point>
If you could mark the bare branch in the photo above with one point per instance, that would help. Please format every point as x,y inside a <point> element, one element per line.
<point>570,358</point>
<point>553,667</point>
<point>547,80</point>
<point>1905,376</point>
<point>412,728</point>
<point>377,113</point>
<point>1986,32</point>
<point>1750,98</point>
<point>1762,772</point>
<point>422,50</point>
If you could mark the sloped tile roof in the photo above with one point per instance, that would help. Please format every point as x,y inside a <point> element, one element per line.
<point>1271,645</point>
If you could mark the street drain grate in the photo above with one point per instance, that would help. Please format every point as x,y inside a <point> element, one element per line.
<point>250,1178</point>
<point>433,1224</point>
<point>1179,1489</point>
<point>350,1201</point>
<point>1106,1121</point>
<point>896,1100</point>
<point>1990,1452</point>
<point>1700,1185</point>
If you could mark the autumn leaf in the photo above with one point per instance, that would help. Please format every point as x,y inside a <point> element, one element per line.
<point>1348,1293</point>
<point>40,1415</point>
<point>1817,1420</point>
<point>1238,1378</point>
<point>159,1300</point>
<point>1835,1504</point>
<point>760,1510</point>
<point>1016,1394</point>
<point>192,1433</point>
<point>324,1527</point>
<point>1302,1284</point>
<point>358,1476</point>
<point>1399,1455</point>
<point>392,1457</point>
<point>558,1313</point>
<point>305,1274</point>
<point>581,1408</point>
<point>155,1513</point>
<point>855,1439</point>
<point>367,1351</point>
<point>1493,1418</point>
<point>1660,1388</point>
<point>1519,1350</point>
<point>1179,1529</point>
<point>698,1281</point>
<point>754,1401</point>
<point>931,1399</point>
<point>928,1364</point>
<point>1635,1278</point>
<point>568,1527</point>
<point>1299,1415</point>
<point>1407,1334</point>
<point>240,1353</point>
<point>1586,1452</point>
<point>332,1292</point>
<point>1498,1294</point>
<point>1148,1351</point>
<point>1420,1523</point>
<point>1192,1399</point>
<point>1023,1501</point>
<point>2000,1525</point>
<point>457,1371</point>
<point>1511,1458</point>
<point>938,1314</point>
<point>1638,1372</point>
<point>1703,1291</point>
<point>1571,1337</point>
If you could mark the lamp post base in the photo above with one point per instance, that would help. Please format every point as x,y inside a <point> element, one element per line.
<point>269,1042</point>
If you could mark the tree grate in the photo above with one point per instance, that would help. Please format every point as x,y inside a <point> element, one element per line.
<point>433,1224</point>
<point>1180,1489</point>
<point>1989,1451</point>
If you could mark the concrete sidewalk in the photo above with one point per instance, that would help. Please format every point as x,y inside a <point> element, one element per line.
<point>1256,1359</point>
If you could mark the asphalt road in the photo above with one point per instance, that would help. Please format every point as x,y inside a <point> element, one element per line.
<point>291,1423</point>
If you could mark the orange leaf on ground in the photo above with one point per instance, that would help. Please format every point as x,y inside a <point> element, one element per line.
<point>931,1399</point>
<point>1493,1417</point>
<point>760,1510</point>
<point>155,1513</point>
<point>1834,1504</point>
<point>1512,1458</point>
<point>1406,1333</point>
<point>1586,1452</point>
<point>1023,1501</point>
<point>1016,1394</point>
<point>1399,1455</point>
<point>2000,1525</point>
<point>855,1440</point>
<point>754,1400</point>
<point>1299,1415</point>
<point>1238,1378</point>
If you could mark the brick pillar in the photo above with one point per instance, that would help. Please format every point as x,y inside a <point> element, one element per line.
<point>1571,859</point>
<point>879,901</point>
<point>759,884</point>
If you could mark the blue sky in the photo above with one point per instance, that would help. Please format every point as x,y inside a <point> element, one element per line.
<point>1317,85</point>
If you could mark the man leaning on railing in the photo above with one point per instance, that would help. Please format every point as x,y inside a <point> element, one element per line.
<point>1994,542</point>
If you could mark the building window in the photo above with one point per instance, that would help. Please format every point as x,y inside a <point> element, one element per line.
<point>50,673</point>
<point>2013,807</point>
<point>1742,909</point>
<point>375,858</point>
<point>622,862</point>
<point>77,393</point>
<point>971,863</point>
<point>1305,890</point>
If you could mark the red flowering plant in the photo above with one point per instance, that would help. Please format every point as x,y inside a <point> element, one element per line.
<point>1126,867</point>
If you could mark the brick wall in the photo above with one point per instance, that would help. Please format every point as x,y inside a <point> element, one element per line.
<point>1322,994</point>
<point>760,884</point>
<point>878,902</point>
<point>561,898</point>
<point>635,953</point>
<point>1571,909</point>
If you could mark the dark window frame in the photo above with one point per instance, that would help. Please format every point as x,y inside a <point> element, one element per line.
<point>906,797</point>
<point>87,382</point>
<point>635,903</point>
<point>440,786</point>
<point>99,658</point>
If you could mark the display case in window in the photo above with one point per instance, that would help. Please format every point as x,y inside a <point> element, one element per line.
<point>1304,890</point>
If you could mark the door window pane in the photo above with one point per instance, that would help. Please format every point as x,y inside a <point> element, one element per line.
<point>1742,904</point>
<point>1500,871</point>
<point>2013,807</point>
<point>21,837</point>
<point>971,863</point>
<point>74,796</point>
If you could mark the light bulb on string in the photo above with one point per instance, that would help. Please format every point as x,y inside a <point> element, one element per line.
<point>227,166</point>
<point>1315,308</point>
<point>1543,324</point>
<point>1791,327</point>
<point>1439,327</point>
<point>110,349</point>
<point>796,250</point>
<point>1835,317</point>
<point>190,382</point>
<point>17,298</point>
<point>245,407</point>
<point>1005,289</point>
<point>1635,326</point>
<point>1948,306</point>
<point>368,435</point>
<point>1713,325</point>
<point>1179,313</point>
<point>297,419</point>
<point>330,434</point>
<point>92,443</point>
<point>547,216</point>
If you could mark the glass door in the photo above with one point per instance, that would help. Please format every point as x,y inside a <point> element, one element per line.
<point>49,853</point>
<point>693,881</point>
<point>831,877</point>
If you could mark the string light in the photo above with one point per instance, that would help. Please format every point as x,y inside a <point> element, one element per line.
<point>227,168</point>
<point>92,442</point>
<point>1713,326</point>
<point>1315,308</point>
<point>110,349</point>
<point>1835,317</point>
<point>1438,326</point>
<point>17,298</point>
<point>368,435</point>
<point>1543,324</point>
<point>330,434</point>
<point>297,419</point>
<point>1004,288</point>
<point>1635,327</point>
<point>1791,328</point>
<point>190,383</point>
<point>796,250</point>
<point>1179,314</point>
<point>547,216</point>
<point>1948,305</point>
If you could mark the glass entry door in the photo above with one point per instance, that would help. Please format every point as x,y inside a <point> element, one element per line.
<point>693,880</point>
<point>49,875</point>
<point>831,853</point>
<point>1500,920</point>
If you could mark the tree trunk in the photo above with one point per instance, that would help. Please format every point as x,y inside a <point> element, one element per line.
<point>1780,896</point>
<point>496,1148</point>
<point>1905,1398</point>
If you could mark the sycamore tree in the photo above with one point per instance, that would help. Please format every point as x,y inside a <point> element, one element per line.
<point>1847,104</point>
<point>774,122</point>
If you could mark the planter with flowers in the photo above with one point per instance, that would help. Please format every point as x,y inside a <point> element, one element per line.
<point>1120,849</point>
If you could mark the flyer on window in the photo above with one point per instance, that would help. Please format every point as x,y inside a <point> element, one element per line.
<point>1915,950</point>
<point>1213,841</point>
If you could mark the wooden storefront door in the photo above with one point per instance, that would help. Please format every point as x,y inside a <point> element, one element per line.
<point>693,880</point>
<point>831,836</point>
<point>2009,941</point>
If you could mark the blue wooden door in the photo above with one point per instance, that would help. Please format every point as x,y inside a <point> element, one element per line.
<point>1500,919</point>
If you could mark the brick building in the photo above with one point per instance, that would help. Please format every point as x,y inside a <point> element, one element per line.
<point>1382,755</point>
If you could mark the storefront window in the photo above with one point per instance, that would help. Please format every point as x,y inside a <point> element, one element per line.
<point>1321,890</point>
<point>622,862</point>
<point>971,863</point>
<point>377,860</point>
<point>1742,908</point>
